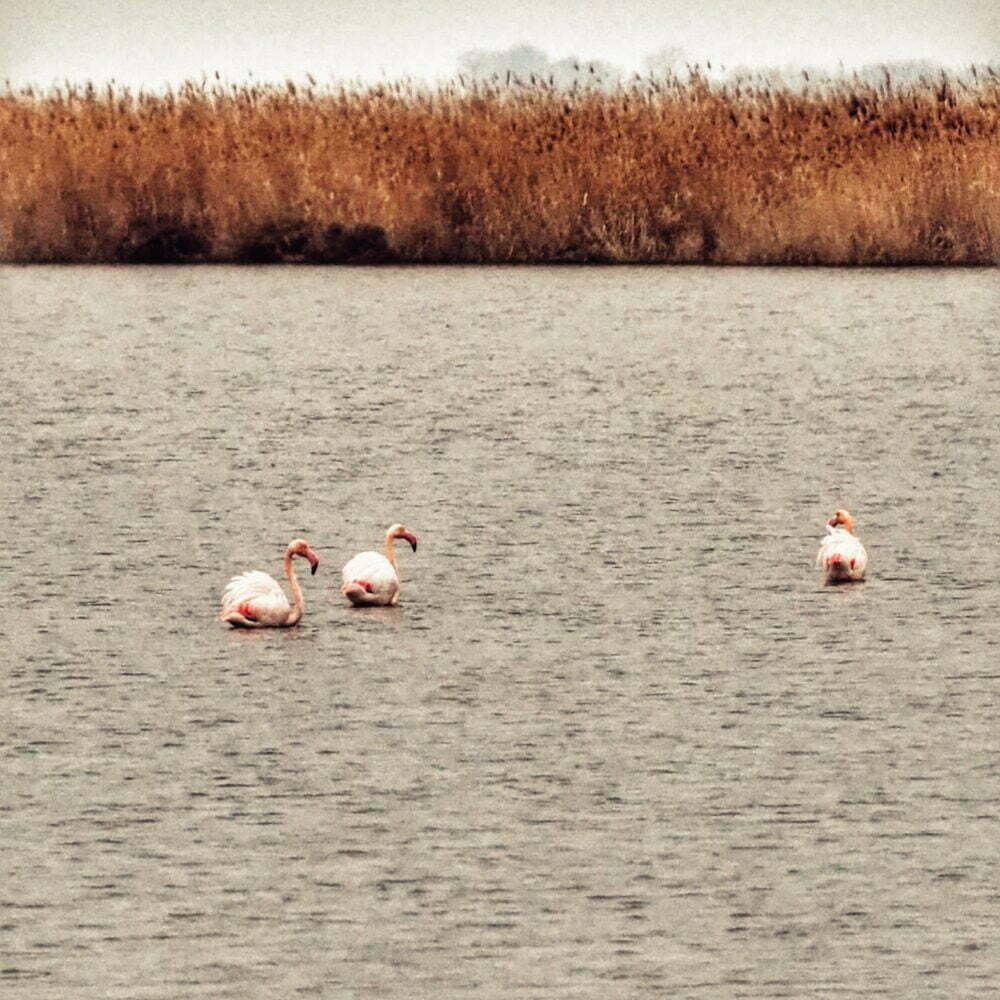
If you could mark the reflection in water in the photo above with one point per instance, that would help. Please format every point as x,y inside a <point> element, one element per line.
<point>617,738</point>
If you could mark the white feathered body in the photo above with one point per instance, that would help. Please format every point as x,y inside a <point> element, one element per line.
<point>841,556</point>
<point>258,593</point>
<point>374,569</point>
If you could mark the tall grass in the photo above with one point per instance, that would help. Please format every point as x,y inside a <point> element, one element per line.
<point>679,170</point>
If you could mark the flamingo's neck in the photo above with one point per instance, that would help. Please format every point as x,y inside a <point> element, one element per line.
<point>389,554</point>
<point>298,604</point>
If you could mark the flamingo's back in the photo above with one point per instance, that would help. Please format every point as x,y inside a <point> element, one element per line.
<point>373,569</point>
<point>257,593</point>
<point>841,556</point>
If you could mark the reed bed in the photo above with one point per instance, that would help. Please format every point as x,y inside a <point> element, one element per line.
<point>658,171</point>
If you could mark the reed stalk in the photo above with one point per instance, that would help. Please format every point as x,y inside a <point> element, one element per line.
<point>659,171</point>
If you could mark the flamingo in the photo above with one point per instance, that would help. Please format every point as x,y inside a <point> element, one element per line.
<point>842,556</point>
<point>373,578</point>
<point>255,600</point>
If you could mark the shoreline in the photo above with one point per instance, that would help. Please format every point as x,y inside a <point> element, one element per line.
<point>513,265</point>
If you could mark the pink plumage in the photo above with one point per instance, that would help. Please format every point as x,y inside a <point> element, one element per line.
<point>256,600</point>
<point>373,578</point>
<point>841,555</point>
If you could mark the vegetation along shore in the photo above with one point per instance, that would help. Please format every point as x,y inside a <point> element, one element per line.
<point>680,170</point>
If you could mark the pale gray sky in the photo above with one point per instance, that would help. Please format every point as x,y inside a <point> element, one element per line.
<point>150,42</point>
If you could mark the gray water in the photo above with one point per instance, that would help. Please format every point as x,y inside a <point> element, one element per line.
<point>616,741</point>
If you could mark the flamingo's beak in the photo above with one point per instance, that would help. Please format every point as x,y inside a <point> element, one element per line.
<point>412,539</point>
<point>313,561</point>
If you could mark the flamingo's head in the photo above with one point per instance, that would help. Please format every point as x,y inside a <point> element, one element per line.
<point>399,531</point>
<point>841,519</point>
<point>300,547</point>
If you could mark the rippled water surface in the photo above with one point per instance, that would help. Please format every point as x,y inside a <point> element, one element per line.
<point>617,740</point>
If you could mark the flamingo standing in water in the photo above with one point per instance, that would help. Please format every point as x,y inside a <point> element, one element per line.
<point>841,556</point>
<point>373,578</point>
<point>255,600</point>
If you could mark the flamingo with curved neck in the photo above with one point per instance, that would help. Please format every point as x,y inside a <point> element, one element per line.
<point>841,555</point>
<point>372,578</point>
<point>256,600</point>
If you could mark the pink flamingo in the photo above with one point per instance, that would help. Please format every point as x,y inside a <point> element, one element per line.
<point>373,578</point>
<point>841,556</point>
<point>255,600</point>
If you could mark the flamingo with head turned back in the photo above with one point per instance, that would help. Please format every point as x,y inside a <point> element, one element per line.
<point>255,600</point>
<point>841,555</point>
<point>373,578</point>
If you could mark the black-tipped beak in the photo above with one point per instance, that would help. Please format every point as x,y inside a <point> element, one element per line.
<point>314,567</point>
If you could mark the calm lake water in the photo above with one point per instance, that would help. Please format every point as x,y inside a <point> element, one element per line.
<point>616,741</point>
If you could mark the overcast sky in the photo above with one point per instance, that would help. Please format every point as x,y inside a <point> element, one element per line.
<point>150,42</point>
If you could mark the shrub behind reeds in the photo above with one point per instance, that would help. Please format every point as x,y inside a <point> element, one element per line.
<point>675,171</point>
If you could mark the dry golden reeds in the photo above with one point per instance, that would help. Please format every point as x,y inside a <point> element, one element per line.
<point>673,171</point>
